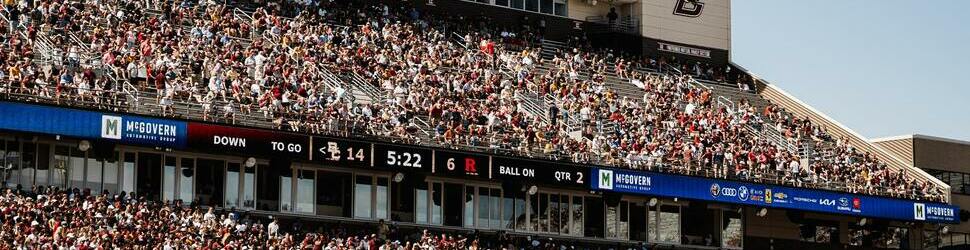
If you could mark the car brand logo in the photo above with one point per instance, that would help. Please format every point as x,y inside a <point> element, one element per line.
<point>826,202</point>
<point>743,193</point>
<point>715,190</point>
<point>781,196</point>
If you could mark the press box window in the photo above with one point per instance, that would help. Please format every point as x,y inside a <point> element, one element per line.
<point>551,7</point>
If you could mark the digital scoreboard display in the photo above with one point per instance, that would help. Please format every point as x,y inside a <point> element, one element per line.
<point>539,172</point>
<point>340,152</point>
<point>460,164</point>
<point>245,141</point>
<point>402,158</point>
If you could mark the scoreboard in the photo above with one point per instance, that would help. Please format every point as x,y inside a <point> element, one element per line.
<point>342,152</point>
<point>539,171</point>
<point>346,152</point>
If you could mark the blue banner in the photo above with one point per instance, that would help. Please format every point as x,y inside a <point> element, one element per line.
<point>125,129</point>
<point>668,185</point>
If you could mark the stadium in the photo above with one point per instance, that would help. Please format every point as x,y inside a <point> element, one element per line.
<point>435,124</point>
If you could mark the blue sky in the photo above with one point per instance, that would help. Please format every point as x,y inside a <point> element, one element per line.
<point>882,68</point>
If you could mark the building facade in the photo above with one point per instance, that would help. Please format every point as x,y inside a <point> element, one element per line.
<point>947,160</point>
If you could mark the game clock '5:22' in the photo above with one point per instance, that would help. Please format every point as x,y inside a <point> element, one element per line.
<point>401,157</point>
<point>404,159</point>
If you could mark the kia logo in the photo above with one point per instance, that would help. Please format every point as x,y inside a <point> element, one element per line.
<point>827,202</point>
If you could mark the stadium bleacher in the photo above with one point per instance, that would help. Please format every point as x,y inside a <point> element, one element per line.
<point>52,219</point>
<point>396,73</point>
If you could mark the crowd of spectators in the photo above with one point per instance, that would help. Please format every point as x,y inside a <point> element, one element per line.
<point>457,81</point>
<point>47,218</point>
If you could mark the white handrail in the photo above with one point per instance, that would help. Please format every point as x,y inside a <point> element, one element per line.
<point>240,14</point>
<point>460,40</point>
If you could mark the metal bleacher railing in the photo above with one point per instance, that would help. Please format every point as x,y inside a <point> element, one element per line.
<point>115,101</point>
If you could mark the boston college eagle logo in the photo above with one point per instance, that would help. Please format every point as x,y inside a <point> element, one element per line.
<point>688,8</point>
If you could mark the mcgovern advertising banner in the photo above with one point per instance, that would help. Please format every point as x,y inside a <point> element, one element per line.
<point>696,188</point>
<point>126,129</point>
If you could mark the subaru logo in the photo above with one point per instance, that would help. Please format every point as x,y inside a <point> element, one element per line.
<point>844,202</point>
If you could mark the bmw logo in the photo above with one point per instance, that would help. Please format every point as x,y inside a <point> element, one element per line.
<point>715,189</point>
<point>743,193</point>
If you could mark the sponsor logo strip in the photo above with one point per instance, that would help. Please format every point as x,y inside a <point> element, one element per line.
<point>689,187</point>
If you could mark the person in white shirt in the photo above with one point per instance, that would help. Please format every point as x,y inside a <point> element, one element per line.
<point>227,221</point>
<point>794,167</point>
<point>210,215</point>
<point>273,229</point>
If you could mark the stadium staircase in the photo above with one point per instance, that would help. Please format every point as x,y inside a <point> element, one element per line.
<point>43,48</point>
<point>728,98</point>
<point>92,59</point>
<point>529,102</point>
<point>348,85</point>
<point>725,97</point>
<point>367,93</point>
<point>47,53</point>
<point>552,48</point>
